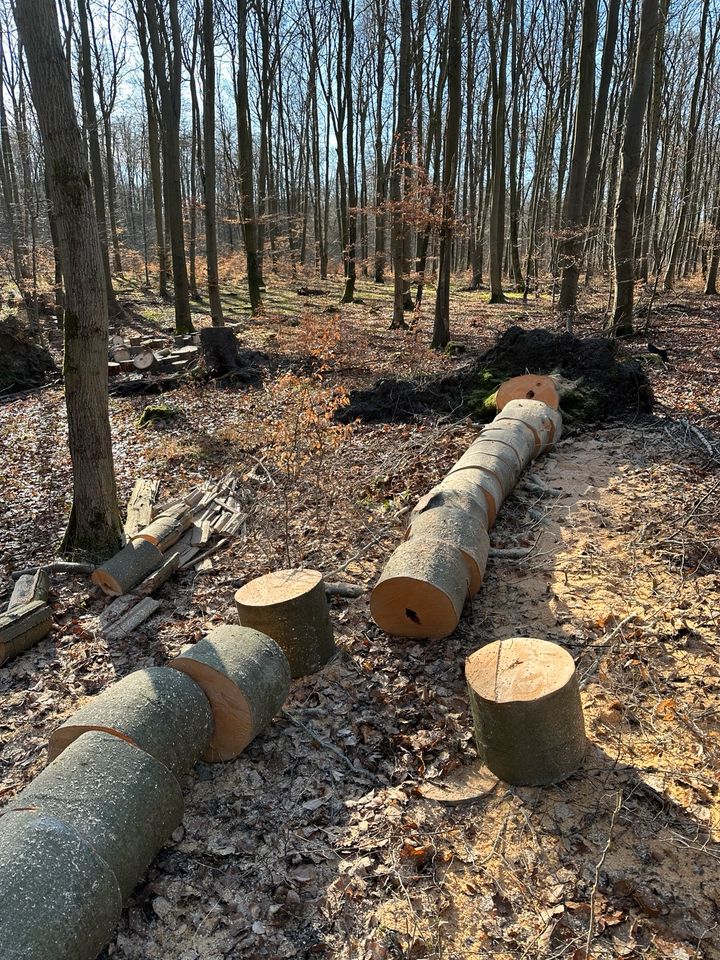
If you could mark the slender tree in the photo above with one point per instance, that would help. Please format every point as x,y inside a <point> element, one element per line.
<point>208,168</point>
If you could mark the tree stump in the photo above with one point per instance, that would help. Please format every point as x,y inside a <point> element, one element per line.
<point>471,503</point>
<point>220,350</point>
<point>119,799</point>
<point>291,607</point>
<point>59,900</point>
<point>245,676</point>
<point>159,710</point>
<point>458,528</point>
<point>528,387</point>
<point>128,568</point>
<point>545,423</point>
<point>422,590</point>
<point>526,710</point>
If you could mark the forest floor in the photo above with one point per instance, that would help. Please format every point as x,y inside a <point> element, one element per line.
<point>325,839</point>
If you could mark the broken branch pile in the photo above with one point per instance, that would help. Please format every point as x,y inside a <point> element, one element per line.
<point>425,583</point>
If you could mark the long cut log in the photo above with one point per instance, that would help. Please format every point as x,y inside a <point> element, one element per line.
<point>291,607</point>
<point>466,533</point>
<point>121,801</point>
<point>245,676</point>
<point>31,586</point>
<point>470,502</point>
<point>480,484</point>
<point>422,590</point>
<point>526,710</point>
<point>128,568</point>
<point>545,422</point>
<point>157,709</point>
<point>515,434</point>
<point>59,900</point>
<point>22,627</point>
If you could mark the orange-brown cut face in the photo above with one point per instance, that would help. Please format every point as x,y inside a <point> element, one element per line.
<point>231,710</point>
<point>405,607</point>
<point>519,669</point>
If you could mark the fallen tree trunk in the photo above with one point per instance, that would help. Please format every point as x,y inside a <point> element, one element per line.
<point>468,534</point>
<point>31,586</point>
<point>529,386</point>
<point>515,434</point>
<point>128,568</point>
<point>157,709</point>
<point>471,502</point>
<point>526,710</point>
<point>291,607</point>
<point>22,627</point>
<point>59,899</point>
<point>245,676</point>
<point>121,801</point>
<point>422,590</point>
<point>545,423</point>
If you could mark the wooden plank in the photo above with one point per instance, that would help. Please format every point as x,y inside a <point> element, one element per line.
<point>31,586</point>
<point>113,611</point>
<point>132,620</point>
<point>140,505</point>
<point>22,627</point>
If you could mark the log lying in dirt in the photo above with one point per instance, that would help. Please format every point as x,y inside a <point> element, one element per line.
<point>545,423</point>
<point>471,502</point>
<point>128,568</point>
<point>467,533</point>
<point>494,458</point>
<point>529,386</point>
<point>291,607</point>
<point>479,484</point>
<point>515,434</point>
<point>130,621</point>
<point>422,590</point>
<point>122,802</point>
<point>159,710</point>
<point>526,710</point>
<point>245,676</point>
<point>59,900</point>
<point>144,360</point>
<point>29,587</point>
<point>22,627</point>
<point>166,530</point>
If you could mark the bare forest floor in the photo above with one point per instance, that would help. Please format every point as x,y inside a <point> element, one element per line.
<point>319,840</point>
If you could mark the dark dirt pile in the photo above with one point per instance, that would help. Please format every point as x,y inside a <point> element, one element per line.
<point>23,362</point>
<point>597,385</point>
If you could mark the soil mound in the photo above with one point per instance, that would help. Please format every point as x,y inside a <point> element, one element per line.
<point>23,362</point>
<point>594,384</point>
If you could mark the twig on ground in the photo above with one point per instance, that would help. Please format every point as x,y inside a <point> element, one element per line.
<point>598,868</point>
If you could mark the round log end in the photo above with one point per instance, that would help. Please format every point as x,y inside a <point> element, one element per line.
<point>528,387</point>
<point>281,586</point>
<point>526,710</point>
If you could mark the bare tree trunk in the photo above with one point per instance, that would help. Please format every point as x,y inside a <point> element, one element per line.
<point>208,172</point>
<point>94,525</point>
<point>497,207</point>
<point>622,323</point>
<point>401,147</point>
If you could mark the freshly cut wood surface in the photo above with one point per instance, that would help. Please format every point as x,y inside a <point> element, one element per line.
<point>246,678</point>
<point>528,387</point>
<point>470,502</point>
<point>144,360</point>
<point>59,900</point>
<point>159,710</point>
<point>22,627</point>
<point>166,530</point>
<point>29,587</point>
<point>545,422</point>
<point>526,710</point>
<point>121,801</point>
<point>128,568</point>
<point>291,607</point>
<point>422,590</point>
<point>459,529</point>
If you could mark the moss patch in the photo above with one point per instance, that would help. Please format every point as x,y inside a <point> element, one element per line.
<point>156,413</point>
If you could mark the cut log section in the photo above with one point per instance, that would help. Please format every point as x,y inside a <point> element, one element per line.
<point>504,467</point>
<point>144,360</point>
<point>140,505</point>
<point>166,530</point>
<point>22,627</point>
<point>487,443</point>
<point>465,532</point>
<point>479,484</point>
<point>245,676</point>
<point>545,423</point>
<point>526,710</point>
<point>157,579</point>
<point>528,387</point>
<point>59,900</point>
<point>29,587</point>
<point>422,590</point>
<point>439,497</point>
<point>121,801</point>
<point>515,434</point>
<point>121,355</point>
<point>128,568</point>
<point>291,607</point>
<point>157,709</point>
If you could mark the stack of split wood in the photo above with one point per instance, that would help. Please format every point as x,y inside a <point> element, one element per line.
<point>164,538</point>
<point>74,844</point>
<point>28,617</point>
<point>137,354</point>
<point>425,583</point>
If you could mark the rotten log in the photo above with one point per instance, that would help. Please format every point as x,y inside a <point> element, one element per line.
<point>526,710</point>
<point>291,607</point>
<point>245,676</point>
<point>158,710</point>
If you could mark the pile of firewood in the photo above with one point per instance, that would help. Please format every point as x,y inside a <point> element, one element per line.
<point>164,538</point>
<point>137,354</point>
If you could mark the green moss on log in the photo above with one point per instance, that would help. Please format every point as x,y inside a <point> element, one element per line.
<point>156,413</point>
